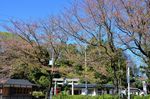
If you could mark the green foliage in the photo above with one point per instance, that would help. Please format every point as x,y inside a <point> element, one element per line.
<point>137,83</point>
<point>96,97</point>
<point>145,70</point>
<point>85,97</point>
<point>44,81</point>
<point>140,97</point>
<point>37,94</point>
<point>39,76</point>
<point>7,35</point>
<point>20,71</point>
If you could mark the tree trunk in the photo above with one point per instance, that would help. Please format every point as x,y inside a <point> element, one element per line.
<point>49,87</point>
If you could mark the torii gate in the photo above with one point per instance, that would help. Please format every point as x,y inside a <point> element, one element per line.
<point>60,81</point>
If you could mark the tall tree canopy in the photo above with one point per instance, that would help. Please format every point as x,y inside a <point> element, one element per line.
<point>102,29</point>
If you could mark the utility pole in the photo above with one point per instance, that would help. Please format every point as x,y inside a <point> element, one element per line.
<point>128,81</point>
<point>119,77</point>
<point>86,89</point>
<point>51,62</point>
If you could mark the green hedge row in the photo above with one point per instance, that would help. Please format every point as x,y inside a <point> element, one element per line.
<point>97,97</point>
<point>84,97</point>
<point>140,97</point>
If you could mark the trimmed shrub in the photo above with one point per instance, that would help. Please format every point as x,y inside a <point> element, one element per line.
<point>37,94</point>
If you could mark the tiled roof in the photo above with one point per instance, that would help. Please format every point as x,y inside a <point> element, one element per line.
<point>84,85</point>
<point>15,82</point>
<point>93,86</point>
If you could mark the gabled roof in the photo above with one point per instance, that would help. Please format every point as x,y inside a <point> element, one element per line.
<point>94,86</point>
<point>84,85</point>
<point>15,82</point>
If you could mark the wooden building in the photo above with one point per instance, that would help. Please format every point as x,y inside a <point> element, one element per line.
<point>15,89</point>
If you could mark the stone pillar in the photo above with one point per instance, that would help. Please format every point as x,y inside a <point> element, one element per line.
<point>55,88</point>
<point>72,88</point>
<point>94,92</point>
<point>144,87</point>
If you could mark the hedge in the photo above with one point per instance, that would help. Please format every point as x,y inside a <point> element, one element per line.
<point>84,97</point>
<point>140,97</point>
<point>97,97</point>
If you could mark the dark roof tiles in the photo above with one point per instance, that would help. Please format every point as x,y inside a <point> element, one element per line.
<point>93,86</point>
<point>15,82</point>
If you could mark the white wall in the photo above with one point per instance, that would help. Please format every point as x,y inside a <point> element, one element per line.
<point>91,92</point>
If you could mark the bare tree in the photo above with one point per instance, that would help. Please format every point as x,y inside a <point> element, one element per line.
<point>133,21</point>
<point>36,41</point>
<point>93,19</point>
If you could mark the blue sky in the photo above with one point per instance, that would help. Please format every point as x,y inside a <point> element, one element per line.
<point>34,10</point>
<point>31,9</point>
